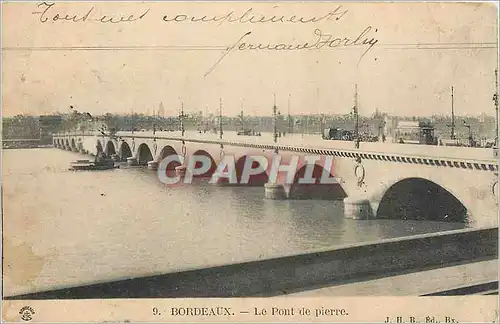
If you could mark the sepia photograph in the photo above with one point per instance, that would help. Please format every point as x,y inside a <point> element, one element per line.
<point>178,153</point>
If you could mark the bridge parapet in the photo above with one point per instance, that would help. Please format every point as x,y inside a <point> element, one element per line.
<point>407,153</point>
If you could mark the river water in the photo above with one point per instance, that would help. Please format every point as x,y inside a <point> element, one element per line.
<point>65,228</point>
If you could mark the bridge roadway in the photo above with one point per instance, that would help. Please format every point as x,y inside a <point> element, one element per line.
<point>315,141</point>
<point>377,179</point>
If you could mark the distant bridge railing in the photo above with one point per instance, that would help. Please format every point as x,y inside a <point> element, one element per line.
<point>21,140</point>
<point>13,143</point>
<point>460,157</point>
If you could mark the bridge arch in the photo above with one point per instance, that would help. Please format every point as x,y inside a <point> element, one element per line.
<point>73,144</point>
<point>168,151</point>
<point>316,190</point>
<point>420,199</point>
<point>125,151</point>
<point>144,154</point>
<point>66,144</point>
<point>213,165</point>
<point>255,179</point>
<point>110,148</point>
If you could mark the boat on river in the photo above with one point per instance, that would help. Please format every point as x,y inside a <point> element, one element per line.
<point>88,165</point>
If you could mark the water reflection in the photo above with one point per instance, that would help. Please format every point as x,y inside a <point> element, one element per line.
<point>317,225</point>
<point>239,201</point>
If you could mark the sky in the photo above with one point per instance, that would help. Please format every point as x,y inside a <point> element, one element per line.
<point>420,50</point>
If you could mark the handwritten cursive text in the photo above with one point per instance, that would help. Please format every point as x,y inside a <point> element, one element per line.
<point>322,41</point>
<point>250,17</point>
<point>48,13</point>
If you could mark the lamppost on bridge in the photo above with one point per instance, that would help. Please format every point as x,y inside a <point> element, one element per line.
<point>381,134</point>
<point>470,138</point>
<point>206,120</point>
<point>356,117</point>
<point>220,119</point>
<point>275,119</point>
<point>241,117</point>
<point>322,124</point>
<point>452,135</point>
<point>220,129</point>
<point>181,119</point>
<point>290,121</point>
<point>275,190</point>
<point>495,100</point>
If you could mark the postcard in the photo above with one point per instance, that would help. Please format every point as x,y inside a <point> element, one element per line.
<point>249,162</point>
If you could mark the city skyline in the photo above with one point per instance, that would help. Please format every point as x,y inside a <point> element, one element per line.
<point>269,115</point>
<point>204,113</point>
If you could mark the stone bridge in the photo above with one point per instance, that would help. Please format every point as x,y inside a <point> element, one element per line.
<point>377,180</point>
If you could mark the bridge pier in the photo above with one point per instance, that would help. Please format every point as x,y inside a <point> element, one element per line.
<point>358,208</point>
<point>153,165</point>
<point>222,182</point>
<point>132,161</point>
<point>180,170</point>
<point>275,191</point>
